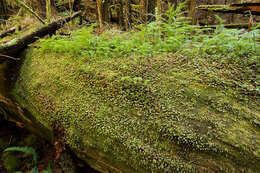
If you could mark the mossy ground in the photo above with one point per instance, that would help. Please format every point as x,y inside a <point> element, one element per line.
<point>164,113</point>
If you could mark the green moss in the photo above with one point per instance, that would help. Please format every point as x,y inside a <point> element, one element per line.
<point>162,113</point>
<point>11,162</point>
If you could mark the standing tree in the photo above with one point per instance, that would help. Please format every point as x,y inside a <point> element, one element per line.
<point>127,14</point>
<point>151,10</point>
<point>2,10</point>
<point>192,11</point>
<point>99,8</point>
<point>159,7</point>
<point>144,10</point>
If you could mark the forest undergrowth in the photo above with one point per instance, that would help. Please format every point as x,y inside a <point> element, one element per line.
<point>171,34</point>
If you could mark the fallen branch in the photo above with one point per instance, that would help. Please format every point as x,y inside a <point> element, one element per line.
<point>11,49</point>
<point>6,56</point>
<point>8,32</point>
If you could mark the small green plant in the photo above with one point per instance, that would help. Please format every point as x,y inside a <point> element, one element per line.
<point>30,151</point>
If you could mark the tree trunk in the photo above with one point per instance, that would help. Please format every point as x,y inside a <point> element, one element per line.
<point>151,10</point>
<point>144,10</point>
<point>99,8</point>
<point>106,15</point>
<point>159,7</point>
<point>127,14</point>
<point>192,11</point>
<point>76,5</point>
<point>2,10</point>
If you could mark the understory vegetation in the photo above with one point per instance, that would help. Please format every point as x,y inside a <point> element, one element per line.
<point>171,34</point>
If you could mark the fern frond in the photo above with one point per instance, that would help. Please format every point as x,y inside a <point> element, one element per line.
<point>28,150</point>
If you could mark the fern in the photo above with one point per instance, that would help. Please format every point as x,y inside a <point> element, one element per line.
<point>27,150</point>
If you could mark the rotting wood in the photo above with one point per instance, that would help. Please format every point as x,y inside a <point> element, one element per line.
<point>11,49</point>
<point>232,9</point>
<point>237,26</point>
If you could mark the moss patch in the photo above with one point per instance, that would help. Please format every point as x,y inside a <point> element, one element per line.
<point>11,162</point>
<point>165,113</point>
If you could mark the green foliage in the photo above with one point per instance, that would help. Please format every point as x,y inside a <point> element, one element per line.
<point>27,150</point>
<point>30,151</point>
<point>172,34</point>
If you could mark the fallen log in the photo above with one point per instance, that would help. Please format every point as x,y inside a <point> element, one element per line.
<point>231,9</point>
<point>231,26</point>
<point>116,124</point>
<point>8,32</point>
<point>15,46</point>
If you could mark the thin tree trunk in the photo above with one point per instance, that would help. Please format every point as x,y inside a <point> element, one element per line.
<point>127,14</point>
<point>106,15</point>
<point>76,5</point>
<point>193,11</point>
<point>2,10</point>
<point>99,8</point>
<point>151,10</point>
<point>159,7</point>
<point>48,11</point>
<point>121,14</point>
<point>144,10</point>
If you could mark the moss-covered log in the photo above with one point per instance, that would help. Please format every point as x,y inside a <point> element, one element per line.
<point>159,114</point>
<point>254,9</point>
<point>245,2</point>
<point>237,26</point>
<point>13,112</point>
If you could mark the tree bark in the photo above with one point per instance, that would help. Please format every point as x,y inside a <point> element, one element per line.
<point>2,10</point>
<point>127,14</point>
<point>192,11</point>
<point>99,8</point>
<point>76,5</point>
<point>144,10</point>
<point>159,7</point>
<point>151,10</point>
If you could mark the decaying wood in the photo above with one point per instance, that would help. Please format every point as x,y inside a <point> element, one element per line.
<point>237,26</point>
<point>11,49</point>
<point>254,9</point>
<point>8,32</point>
